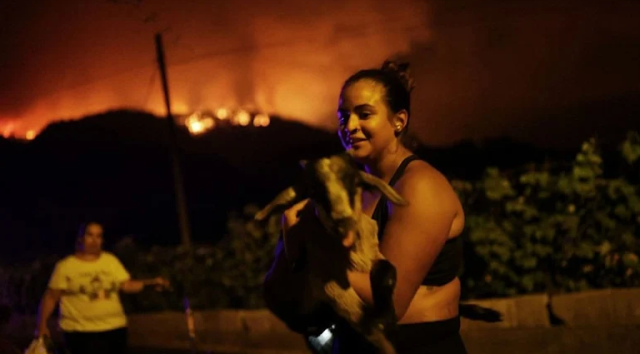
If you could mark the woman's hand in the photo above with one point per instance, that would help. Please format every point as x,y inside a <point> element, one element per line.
<point>42,331</point>
<point>292,241</point>
<point>159,283</point>
<point>291,216</point>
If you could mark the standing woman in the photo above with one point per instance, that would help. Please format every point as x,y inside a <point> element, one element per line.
<point>87,285</point>
<point>421,239</point>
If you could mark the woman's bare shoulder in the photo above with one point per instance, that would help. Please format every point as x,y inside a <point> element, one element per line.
<point>421,175</point>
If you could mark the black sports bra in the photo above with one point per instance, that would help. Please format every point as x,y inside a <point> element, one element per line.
<point>449,261</point>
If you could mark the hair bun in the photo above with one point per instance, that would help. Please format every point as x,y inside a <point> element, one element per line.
<point>401,71</point>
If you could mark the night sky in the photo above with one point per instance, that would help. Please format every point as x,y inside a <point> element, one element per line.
<point>547,72</point>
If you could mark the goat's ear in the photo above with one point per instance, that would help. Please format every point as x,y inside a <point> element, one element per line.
<point>383,187</point>
<point>284,200</point>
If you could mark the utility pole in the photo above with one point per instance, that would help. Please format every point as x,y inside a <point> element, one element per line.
<point>181,199</point>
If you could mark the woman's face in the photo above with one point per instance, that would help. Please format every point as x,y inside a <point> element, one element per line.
<point>92,240</point>
<point>365,122</point>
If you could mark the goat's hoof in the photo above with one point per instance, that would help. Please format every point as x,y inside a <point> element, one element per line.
<point>383,282</point>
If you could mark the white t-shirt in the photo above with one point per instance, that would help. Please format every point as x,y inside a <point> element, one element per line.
<point>90,300</point>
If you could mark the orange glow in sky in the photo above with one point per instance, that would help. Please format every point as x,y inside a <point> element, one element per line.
<point>7,129</point>
<point>482,69</point>
<point>217,56</point>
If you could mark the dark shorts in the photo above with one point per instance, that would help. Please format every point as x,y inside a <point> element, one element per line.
<point>107,342</point>
<point>427,337</point>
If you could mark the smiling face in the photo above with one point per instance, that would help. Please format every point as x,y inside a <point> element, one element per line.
<point>367,127</point>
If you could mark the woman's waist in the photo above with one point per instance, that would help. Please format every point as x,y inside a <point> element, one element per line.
<point>351,341</point>
<point>434,303</point>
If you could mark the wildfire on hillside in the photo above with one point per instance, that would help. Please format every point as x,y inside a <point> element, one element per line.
<point>200,122</point>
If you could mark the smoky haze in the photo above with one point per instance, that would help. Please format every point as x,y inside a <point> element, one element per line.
<point>288,57</point>
<point>530,70</point>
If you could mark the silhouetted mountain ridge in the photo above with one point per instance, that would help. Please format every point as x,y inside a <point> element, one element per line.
<point>115,167</point>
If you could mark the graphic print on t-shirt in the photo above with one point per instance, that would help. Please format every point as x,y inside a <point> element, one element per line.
<point>96,286</point>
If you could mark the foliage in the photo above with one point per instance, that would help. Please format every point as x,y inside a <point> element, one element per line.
<point>21,286</point>
<point>227,275</point>
<point>544,228</point>
<point>551,228</point>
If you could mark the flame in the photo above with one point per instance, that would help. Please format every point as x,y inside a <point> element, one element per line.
<point>9,130</point>
<point>252,57</point>
<point>261,120</point>
<point>243,118</point>
<point>31,134</point>
<point>222,113</point>
<point>198,124</point>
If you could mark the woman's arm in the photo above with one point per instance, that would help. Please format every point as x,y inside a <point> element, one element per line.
<point>133,286</point>
<point>414,234</point>
<point>47,305</point>
<point>291,242</point>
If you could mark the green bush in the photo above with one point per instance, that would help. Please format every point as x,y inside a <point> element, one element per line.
<point>227,275</point>
<point>21,286</point>
<point>553,228</point>
<point>543,228</point>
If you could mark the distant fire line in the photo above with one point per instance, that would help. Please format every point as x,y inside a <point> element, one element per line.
<point>197,123</point>
<point>200,122</point>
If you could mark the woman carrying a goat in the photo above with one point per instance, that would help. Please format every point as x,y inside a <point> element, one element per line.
<point>418,233</point>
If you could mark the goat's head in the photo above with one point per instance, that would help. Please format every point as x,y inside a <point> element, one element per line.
<point>335,185</point>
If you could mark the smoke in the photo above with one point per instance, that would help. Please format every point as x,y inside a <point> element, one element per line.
<point>539,71</point>
<point>286,57</point>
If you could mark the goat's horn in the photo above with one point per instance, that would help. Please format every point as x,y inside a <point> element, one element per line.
<point>285,199</point>
<point>385,188</point>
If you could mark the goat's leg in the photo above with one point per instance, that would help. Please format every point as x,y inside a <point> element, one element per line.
<point>349,306</point>
<point>383,283</point>
<point>346,302</point>
<point>381,342</point>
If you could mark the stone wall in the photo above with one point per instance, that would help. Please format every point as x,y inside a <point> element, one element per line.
<point>603,321</point>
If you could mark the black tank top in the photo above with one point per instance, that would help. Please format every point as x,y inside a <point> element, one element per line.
<point>449,261</point>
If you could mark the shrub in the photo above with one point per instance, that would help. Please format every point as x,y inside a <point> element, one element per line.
<point>543,228</point>
<point>553,228</point>
<point>227,275</point>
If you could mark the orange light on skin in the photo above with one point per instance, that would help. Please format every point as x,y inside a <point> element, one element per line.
<point>31,134</point>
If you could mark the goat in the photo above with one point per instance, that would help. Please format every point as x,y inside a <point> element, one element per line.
<point>334,187</point>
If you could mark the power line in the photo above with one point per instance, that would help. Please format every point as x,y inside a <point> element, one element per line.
<point>285,44</point>
<point>149,87</point>
<point>246,49</point>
